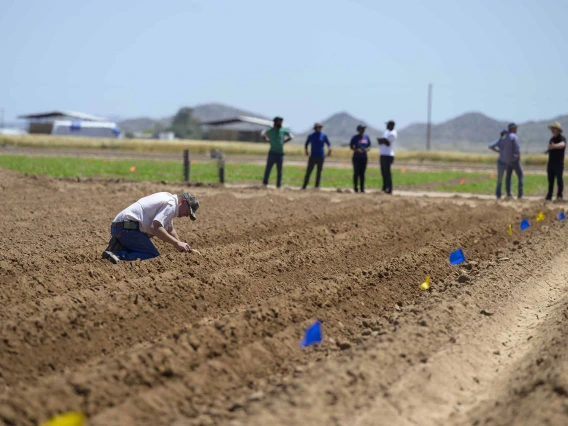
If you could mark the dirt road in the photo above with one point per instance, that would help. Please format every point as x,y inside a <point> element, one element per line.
<point>188,340</point>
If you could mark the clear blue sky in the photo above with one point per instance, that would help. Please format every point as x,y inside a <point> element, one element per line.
<point>302,59</point>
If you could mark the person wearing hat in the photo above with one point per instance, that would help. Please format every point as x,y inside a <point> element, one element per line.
<point>151,216</point>
<point>509,161</point>
<point>317,140</point>
<point>360,144</point>
<point>276,136</point>
<point>555,167</point>
<point>386,155</point>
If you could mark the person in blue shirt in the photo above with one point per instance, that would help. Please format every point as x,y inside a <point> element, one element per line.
<point>509,160</point>
<point>360,144</point>
<point>317,140</point>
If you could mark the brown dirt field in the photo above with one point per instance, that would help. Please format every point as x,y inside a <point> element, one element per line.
<point>188,340</point>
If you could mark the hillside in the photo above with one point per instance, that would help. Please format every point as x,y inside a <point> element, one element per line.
<point>467,132</point>
<point>340,128</point>
<point>473,131</point>
<point>203,112</point>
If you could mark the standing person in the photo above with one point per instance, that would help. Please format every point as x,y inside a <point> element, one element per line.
<point>317,140</point>
<point>555,168</point>
<point>277,137</point>
<point>509,160</point>
<point>151,216</point>
<point>360,144</point>
<point>501,165</point>
<point>386,155</point>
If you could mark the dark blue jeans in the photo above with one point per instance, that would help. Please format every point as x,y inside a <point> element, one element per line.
<point>507,170</point>
<point>359,168</point>
<point>133,244</point>
<point>274,158</point>
<point>386,163</point>
<point>313,162</point>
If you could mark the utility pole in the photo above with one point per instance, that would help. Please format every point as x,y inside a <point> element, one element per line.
<point>429,125</point>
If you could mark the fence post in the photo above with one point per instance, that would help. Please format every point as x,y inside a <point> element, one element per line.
<point>218,154</point>
<point>186,165</point>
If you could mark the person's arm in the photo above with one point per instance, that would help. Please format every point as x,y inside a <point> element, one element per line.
<point>160,232</point>
<point>390,140</point>
<point>494,146</point>
<point>559,145</point>
<point>306,145</point>
<point>326,141</point>
<point>368,147</point>
<point>289,137</point>
<point>174,233</point>
<point>517,149</point>
<point>352,144</point>
<point>264,135</point>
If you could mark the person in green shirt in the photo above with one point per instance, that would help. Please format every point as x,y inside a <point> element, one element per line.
<point>277,136</point>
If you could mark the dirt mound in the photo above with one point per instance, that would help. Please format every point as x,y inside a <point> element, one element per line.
<point>187,340</point>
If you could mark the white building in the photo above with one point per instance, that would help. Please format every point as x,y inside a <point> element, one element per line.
<point>70,123</point>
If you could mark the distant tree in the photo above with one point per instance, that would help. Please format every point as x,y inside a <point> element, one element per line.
<point>185,126</point>
<point>129,135</point>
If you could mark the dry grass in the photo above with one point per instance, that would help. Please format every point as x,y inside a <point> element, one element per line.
<point>238,148</point>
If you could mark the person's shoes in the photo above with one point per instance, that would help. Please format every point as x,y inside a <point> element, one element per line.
<point>509,197</point>
<point>548,198</point>
<point>303,188</point>
<point>111,256</point>
<point>559,198</point>
<point>114,245</point>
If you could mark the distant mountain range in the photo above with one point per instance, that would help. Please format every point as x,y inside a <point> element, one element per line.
<point>204,113</point>
<point>469,132</point>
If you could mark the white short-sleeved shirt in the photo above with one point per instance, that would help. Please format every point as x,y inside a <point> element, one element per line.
<point>391,135</point>
<point>161,206</point>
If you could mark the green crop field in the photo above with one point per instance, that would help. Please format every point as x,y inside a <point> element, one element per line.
<point>239,173</point>
<point>240,148</point>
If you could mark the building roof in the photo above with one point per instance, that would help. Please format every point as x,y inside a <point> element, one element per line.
<point>62,115</point>
<point>240,119</point>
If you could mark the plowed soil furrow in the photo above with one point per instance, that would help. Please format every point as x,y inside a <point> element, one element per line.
<point>209,340</point>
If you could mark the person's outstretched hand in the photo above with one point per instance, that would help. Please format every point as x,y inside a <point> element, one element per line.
<point>182,246</point>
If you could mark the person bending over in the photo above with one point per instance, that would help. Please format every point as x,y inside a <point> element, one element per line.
<point>151,216</point>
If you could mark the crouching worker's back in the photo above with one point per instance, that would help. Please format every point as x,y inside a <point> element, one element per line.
<point>151,216</point>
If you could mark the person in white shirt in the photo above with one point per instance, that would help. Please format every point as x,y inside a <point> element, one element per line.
<point>151,216</point>
<point>386,153</point>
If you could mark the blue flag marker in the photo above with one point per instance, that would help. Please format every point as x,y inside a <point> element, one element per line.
<point>312,335</point>
<point>525,224</point>
<point>457,257</point>
<point>561,216</point>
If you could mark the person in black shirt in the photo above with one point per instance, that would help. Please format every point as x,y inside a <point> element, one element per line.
<point>556,149</point>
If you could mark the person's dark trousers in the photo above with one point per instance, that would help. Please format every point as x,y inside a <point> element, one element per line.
<point>131,245</point>
<point>359,168</point>
<point>386,163</point>
<point>516,167</point>
<point>555,171</point>
<point>312,162</point>
<point>274,158</point>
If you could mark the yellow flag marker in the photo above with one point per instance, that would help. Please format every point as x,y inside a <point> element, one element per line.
<point>540,217</point>
<point>510,229</point>
<point>73,418</point>
<point>426,284</point>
